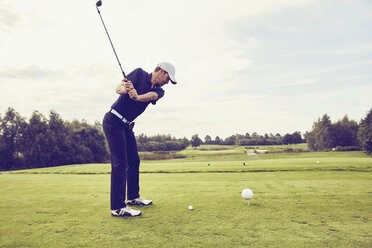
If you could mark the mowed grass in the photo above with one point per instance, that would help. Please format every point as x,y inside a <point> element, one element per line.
<point>232,160</point>
<point>291,207</point>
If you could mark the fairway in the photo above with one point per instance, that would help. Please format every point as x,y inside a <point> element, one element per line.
<point>292,206</point>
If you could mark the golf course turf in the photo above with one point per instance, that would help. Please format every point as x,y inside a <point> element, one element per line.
<point>303,199</point>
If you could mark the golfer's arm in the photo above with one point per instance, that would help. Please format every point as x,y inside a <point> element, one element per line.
<point>149,96</point>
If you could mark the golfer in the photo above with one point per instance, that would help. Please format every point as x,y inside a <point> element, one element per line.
<point>136,91</point>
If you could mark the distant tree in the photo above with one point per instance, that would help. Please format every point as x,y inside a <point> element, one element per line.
<point>11,129</point>
<point>326,135</point>
<point>255,135</point>
<point>155,146</point>
<point>42,142</point>
<point>288,139</point>
<point>60,141</point>
<point>173,145</point>
<point>320,138</point>
<point>208,139</point>
<point>195,141</point>
<point>185,142</point>
<point>365,133</point>
<point>230,140</point>
<point>217,140</point>
<point>36,142</point>
<point>296,138</point>
<point>142,138</point>
<point>239,137</point>
<point>244,142</point>
<point>345,132</point>
<point>89,143</point>
<point>161,143</point>
<point>247,136</point>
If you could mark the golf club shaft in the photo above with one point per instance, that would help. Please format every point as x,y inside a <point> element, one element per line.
<point>111,43</point>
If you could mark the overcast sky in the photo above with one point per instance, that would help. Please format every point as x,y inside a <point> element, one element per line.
<point>268,66</point>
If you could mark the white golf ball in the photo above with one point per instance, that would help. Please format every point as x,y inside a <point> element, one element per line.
<point>247,194</point>
<point>190,207</point>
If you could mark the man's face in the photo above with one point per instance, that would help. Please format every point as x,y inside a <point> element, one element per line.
<point>163,78</point>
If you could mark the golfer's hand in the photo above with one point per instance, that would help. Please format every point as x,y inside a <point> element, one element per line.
<point>127,85</point>
<point>124,87</point>
<point>133,94</point>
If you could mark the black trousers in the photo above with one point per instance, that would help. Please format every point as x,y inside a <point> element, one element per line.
<point>124,160</point>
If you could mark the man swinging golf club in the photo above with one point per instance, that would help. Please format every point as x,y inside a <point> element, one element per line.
<point>136,91</point>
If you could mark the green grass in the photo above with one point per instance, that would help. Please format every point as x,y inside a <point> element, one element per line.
<point>297,203</point>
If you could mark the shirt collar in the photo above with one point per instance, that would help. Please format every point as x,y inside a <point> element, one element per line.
<point>148,79</point>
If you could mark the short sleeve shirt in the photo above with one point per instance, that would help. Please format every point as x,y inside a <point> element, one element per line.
<point>129,108</point>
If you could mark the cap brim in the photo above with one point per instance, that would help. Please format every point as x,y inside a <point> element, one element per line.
<point>172,79</point>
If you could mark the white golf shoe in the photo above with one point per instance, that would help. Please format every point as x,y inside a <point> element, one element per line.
<point>125,212</point>
<point>139,202</point>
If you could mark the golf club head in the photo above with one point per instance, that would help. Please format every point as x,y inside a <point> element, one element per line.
<point>99,3</point>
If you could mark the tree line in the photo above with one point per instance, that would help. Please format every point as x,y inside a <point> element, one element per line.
<point>161,143</point>
<point>45,142</point>
<point>50,141</point>
<point>250,139</point>
<point>344,134</point>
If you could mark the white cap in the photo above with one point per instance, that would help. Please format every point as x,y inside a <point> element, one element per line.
<point>169,68</point>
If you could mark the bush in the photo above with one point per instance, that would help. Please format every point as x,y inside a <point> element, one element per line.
<point>160,156</point>
<point>347,148</point>
<point>160,143</point>
<point>295,150</point>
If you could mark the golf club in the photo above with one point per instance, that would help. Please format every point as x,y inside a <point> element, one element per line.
<point>99,4</point>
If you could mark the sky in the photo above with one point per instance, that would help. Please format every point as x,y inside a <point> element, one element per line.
<point>268,66</point>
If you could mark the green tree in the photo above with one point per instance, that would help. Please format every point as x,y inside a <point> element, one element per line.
<point>36,143</point>
<point>88,142</point>
<point>11,130</point>
<point>255,135</point>
<point>288,139</point>
<point>207,140</point>
<point>161,143</point>
<point>185,142</point>
<point>297,138</point>
<point>345,132</point>
<point>247,136</point>
<point>365,133</point>
<point>230,140</point>
<point>61,144</point>
<point>195,141</point>
<point>217,140</point>
<point>320,138</point>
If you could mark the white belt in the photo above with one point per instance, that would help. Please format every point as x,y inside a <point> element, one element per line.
<point>122,118</point>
